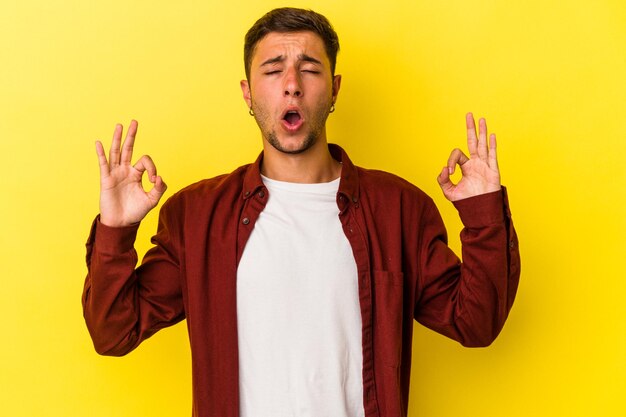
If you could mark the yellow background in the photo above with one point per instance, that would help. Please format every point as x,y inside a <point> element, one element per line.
<point>550,76</point>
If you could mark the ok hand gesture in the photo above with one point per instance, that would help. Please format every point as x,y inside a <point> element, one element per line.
<point>123,201</point>
<point>480,174</point>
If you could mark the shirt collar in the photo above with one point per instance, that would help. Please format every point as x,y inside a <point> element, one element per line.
<point>348,185</point>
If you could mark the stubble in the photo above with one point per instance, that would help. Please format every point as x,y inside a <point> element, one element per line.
<point>315,127</point>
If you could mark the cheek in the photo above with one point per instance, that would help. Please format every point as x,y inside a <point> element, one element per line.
<point>264,94</point>
<point>327,89</point>
<point>325,95</point>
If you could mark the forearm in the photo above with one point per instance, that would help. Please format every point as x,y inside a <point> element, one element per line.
<point>109,294</point>
<point>491,266</point>
<point>470,301</point>
<point>122,305</point>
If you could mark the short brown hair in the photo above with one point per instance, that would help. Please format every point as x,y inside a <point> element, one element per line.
<point>289,19</point>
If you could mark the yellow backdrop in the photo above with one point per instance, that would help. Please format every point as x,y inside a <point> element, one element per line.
<point>548,75</point>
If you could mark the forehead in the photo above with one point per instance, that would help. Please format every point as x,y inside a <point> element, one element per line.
<point>290,45</point>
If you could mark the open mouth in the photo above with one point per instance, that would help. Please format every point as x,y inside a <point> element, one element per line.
<point>292,118</point>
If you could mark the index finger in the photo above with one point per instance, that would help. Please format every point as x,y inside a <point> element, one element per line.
<point>129,142</point>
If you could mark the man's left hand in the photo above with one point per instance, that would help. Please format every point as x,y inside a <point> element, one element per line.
<point>480,174</point>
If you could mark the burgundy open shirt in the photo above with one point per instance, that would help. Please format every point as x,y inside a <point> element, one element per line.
<point>405,271</point>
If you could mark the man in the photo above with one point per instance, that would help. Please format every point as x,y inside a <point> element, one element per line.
<point>299,275</point>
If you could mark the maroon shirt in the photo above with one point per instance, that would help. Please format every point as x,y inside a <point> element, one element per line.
<point>405,271</point>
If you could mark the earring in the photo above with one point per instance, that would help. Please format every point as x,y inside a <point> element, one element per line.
<point>251,112</point>
<point>332,108</point>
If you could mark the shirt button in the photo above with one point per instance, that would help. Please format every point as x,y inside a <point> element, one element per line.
<point>354,199</point>
<point>245,220</point>
<point>511,244</point>
<point>247,193</point>
<point>261,193</point>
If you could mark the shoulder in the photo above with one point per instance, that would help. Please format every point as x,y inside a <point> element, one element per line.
<point>385,184</point>
<point>208,190</point>
<point>391,201</point>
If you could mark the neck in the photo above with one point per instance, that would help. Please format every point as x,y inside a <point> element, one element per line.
<point>315,165</point>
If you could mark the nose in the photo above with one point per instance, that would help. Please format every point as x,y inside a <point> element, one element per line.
<point>293,86</point>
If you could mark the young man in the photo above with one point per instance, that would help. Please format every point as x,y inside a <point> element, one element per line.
<point>299,275</point>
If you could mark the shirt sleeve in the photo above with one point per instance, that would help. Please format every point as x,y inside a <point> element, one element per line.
<point>122,305</point>
<point>469,301</point>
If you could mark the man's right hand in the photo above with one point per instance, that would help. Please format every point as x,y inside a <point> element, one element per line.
<point>123,201</point>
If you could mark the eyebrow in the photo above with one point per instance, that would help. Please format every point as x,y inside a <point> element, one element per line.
<point>301,57</point>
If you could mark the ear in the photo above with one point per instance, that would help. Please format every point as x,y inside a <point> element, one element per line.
<point>336,86</point>
<point>245,89</point>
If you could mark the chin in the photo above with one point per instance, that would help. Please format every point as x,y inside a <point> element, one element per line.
<point>292,146</point>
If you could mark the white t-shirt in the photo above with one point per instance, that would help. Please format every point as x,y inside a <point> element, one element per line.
<point>298,314</point>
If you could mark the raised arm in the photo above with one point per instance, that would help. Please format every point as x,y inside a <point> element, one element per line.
<point>470,301</point>
<point>123,305</point>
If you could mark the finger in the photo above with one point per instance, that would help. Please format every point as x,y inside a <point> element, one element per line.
<point>444,176</point>
<point>114,152</point>
<point>145,163</point>
<point>456,157</point>
<point>157,191</point>
<point>444,181</point>
<point>129,142</point>
<point>493,157</point>
<point>472,140</point>
<point>483,154</point>
<point>102,160</point>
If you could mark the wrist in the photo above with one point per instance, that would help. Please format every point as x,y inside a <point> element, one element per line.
<point>116,223</point>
